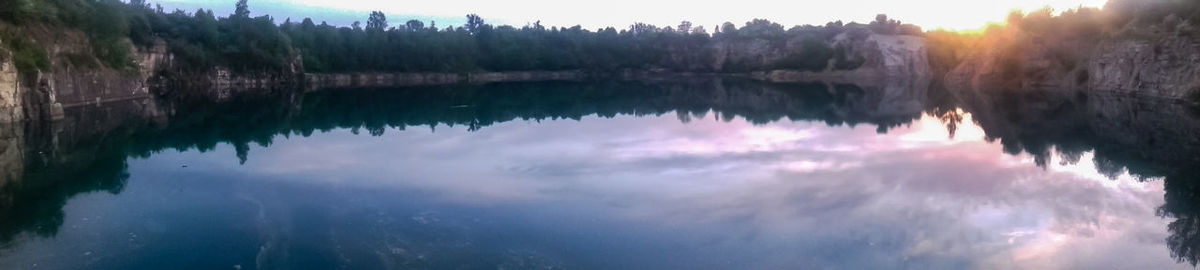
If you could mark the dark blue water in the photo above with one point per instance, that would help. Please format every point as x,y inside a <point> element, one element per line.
<point>564,176</point>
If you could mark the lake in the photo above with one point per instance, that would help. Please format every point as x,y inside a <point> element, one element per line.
<point>676,174</point>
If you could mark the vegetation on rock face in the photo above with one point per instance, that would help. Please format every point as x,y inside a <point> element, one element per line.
<point>26,55</point>
<point>1041,46</point>
<point>201,40</point>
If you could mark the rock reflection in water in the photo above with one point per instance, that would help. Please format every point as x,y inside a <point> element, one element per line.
<point>90,149</point>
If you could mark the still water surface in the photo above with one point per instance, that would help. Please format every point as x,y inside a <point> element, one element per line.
<point>606,176</point>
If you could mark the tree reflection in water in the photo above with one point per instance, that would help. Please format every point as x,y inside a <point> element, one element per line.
<point>88,151</point>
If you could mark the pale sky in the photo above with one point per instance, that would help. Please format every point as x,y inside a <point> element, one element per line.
<point>929,14</point>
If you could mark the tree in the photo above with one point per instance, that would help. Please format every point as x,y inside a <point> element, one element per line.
<point>242,10</point>
<point>474,23</point>
<point>414,25</point>
<point>377,21</point>
<point>15,10</point>
<point>761,28</point>
<point>883,25</point>
<point>728,28</point>
<point>684,27</point>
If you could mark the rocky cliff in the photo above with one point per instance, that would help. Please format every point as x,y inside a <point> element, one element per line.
<point>878,57</point>
<point>1153,65</point>
<point>74,77</point>
<point>1162,67</point>
<point>11,109</point>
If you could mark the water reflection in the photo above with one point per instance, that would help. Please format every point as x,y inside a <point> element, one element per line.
<point>1147,139</point>
<point>704,173</point>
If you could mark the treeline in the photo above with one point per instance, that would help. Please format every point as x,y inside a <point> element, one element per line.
<point>201,40</point>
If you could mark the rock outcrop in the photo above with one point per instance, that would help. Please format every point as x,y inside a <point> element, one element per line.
<point>884,57</point>
<point>742,55</point>
<point>1164,67</point>
<point>1161,66</point>
<point>11,109</point>
<point>75,77</point>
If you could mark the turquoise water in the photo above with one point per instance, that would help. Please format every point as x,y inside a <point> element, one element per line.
<point>600,176</point>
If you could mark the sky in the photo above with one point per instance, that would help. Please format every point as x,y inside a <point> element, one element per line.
<point>929,14</point>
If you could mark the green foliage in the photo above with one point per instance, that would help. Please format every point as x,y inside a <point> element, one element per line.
<point>377,21</point>
<point>107,29</point>
<point>241,11</point>
<point>883,25</point>
<point>27,56</point>
<point>16,10</point>
<point>814,55</point>
<point>201,41</point>
<point>760,28</point>
<point>113,53</point>
<point>24,11</point>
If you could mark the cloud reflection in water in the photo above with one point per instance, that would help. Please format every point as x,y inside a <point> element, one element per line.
<point>792,193</point>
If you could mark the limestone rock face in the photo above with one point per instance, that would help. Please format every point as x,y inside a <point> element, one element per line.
<point>899,56</point>
<point>1161,68</point>
<point>10,95</point>
<point>884,57</point>
<point>74,78</point>
<point>755,54</point>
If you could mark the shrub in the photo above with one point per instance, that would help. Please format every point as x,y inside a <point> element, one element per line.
<point>113,53</point>
<point>28,57</point>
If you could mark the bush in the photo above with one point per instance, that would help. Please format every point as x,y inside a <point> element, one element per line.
<point>29,60</point>
<point>814,55</point>
<point>28,57</point>
<point>113,53</point>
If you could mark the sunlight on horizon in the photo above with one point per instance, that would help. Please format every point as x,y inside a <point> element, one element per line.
<point>929,14</point>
